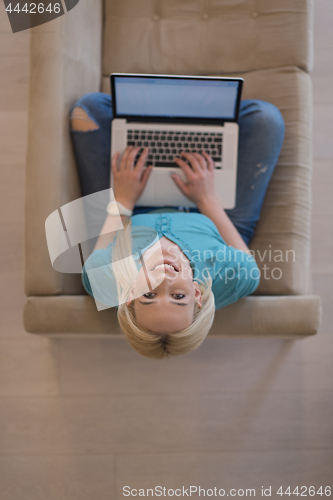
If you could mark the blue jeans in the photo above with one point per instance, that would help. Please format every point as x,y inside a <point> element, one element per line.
<point>261,134</point>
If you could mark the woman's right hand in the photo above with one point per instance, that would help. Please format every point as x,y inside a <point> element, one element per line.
<point>200,187</point>
<point>129,180</point>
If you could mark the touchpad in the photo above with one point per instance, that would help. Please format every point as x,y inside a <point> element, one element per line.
<point>166,191</point>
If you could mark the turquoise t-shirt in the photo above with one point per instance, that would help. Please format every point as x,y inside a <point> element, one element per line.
<point>234,273</point>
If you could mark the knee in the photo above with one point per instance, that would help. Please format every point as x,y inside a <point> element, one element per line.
<point>81,121</point>
<point>88,110</point>
<point>91,100</point>
<point>269,117</point>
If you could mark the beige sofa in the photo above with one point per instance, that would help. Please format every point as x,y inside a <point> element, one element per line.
<point>269,44</point>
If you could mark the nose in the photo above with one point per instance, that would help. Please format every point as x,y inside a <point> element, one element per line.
<point>159,277</point>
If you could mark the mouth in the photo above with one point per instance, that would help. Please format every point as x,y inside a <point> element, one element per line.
<point>167,264</point>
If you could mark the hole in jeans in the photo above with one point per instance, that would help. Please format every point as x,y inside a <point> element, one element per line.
<point>261,171</point>
<point>81,121</point>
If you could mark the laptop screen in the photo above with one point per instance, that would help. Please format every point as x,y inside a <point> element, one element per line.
<point>174,98</point>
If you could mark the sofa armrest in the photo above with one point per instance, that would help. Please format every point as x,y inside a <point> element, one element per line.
<point>65,63</point>
<point>279,316</point>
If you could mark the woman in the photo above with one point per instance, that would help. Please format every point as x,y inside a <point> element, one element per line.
<point>167,307</point>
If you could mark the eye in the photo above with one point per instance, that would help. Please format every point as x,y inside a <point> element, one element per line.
<point>149,295</point>
<point>178,296</point>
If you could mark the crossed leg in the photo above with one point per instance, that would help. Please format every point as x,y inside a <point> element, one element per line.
<point>80,121</point>
<point>261,135</point>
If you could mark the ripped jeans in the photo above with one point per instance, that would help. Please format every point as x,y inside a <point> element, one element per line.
<point>261,134</point>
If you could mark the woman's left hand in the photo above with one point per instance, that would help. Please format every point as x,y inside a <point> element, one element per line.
<point>200,185</point>
<point>129,181</point>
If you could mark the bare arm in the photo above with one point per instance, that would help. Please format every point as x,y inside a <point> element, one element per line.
<point>108,232</point>
<point>129,182</point>
<point>227,230</point>
<point>201,190</point>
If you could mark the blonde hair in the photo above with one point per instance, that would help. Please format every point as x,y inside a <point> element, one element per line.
<point>144,341</point>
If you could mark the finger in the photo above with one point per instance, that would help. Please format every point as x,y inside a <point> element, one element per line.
<point>124,157</point>
<point>180,183</point>
<point>131,157</point>
<point>184,166</point>
<point>146,174</point>
<point>114,163</point>
<point>210,161</point>
<point>201,160</point>
<point>193,161</point>
<point>142,160</point>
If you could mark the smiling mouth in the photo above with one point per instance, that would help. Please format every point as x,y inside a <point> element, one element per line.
<point>167,264</point>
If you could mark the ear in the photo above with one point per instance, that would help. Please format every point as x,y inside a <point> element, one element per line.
<point>131,294</point>
<point>197,293</point>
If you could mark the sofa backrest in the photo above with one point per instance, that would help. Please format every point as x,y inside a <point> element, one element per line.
<point>206,37</point>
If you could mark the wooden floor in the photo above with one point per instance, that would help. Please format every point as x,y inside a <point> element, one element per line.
<point>80,419</point>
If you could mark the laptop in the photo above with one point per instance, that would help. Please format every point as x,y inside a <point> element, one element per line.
<point>174,113</point>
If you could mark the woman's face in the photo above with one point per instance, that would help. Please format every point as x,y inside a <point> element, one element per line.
<point>165,292</point>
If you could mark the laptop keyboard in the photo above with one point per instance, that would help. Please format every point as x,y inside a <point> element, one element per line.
<point>164,145</point>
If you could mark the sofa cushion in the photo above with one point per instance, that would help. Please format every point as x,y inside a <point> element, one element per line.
<point>197,37</point>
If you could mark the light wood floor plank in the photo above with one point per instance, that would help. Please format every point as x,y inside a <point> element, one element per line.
<point>322,131</point>
<point>12,299</point>
<point>171,423</point>
<point>12,178</point>
<point>13,137</point>
<point>11,251</point>
<point>57,478</point>
<point>20,374</point>
<point>219,365</point>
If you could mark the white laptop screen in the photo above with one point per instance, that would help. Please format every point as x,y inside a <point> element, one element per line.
<point>175,97</point>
